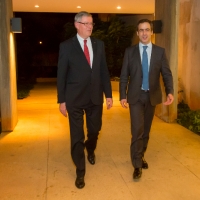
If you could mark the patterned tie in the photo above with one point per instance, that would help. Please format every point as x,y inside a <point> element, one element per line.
<point>86,51</point>
<point>145,71</point>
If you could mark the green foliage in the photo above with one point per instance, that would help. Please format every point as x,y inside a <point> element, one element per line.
<point>22,93</point>
<point>117,37</point>
<point>69,30</point>
<point>24,87</point>
<point>189,118</point>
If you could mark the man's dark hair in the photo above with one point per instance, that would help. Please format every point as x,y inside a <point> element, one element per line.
<point>143,21</point>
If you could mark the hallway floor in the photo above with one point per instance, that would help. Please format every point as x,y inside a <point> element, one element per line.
<point>35,161</point>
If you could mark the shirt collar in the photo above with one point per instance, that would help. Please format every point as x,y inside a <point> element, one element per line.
<point>80,39</point>
<point>149,45</point>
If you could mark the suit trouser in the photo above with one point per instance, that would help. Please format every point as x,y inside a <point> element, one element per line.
<point>93,124</point>
<point>141,114</point>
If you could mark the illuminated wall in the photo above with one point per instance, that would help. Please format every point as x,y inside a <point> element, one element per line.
<point>189,53</point>
<point>168,12</point>
<point>8,92</point>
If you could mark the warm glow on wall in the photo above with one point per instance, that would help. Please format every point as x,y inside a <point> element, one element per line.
<point>118,7</point>
<point>36,6</point>
<point>12,67</point>
<point>78,6</point>
<point>12,49</point>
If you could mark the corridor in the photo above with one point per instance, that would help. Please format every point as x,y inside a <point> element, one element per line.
<point>35,161</point>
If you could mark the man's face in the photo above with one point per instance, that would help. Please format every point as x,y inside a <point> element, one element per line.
<point>144,32</point>
<point>84,27</point>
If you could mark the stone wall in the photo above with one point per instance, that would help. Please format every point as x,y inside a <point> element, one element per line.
<point>189,53</point>
<point>168,12</point>
<point>8,91</point>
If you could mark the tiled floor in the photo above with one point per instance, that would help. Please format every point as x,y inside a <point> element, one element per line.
<point>35,160</point>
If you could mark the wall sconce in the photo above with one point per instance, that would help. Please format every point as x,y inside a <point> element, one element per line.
<point>16,25</point>
<point>157,26</point>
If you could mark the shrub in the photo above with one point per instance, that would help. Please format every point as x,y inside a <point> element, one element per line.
<point>188,118</point>
<point>23,87</point>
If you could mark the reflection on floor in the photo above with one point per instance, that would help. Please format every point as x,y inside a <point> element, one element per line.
<point>35,160</point>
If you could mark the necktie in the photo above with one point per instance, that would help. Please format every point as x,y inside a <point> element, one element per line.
<point>145,71</point>
<point>86,51</point>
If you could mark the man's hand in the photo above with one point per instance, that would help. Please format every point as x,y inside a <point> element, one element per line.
<point>63,109</point>
<point>170,99</point>
<point>124,103</point>
<point>109,103</point>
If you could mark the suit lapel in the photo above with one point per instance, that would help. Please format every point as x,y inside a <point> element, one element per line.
<point>153,54</point>
<point>94,48</point>
<point>79,50</point>
<point>77,45</point>
<point>138,55</point>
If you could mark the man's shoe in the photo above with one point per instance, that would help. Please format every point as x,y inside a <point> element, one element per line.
<point>91,158</point>
<point>137,173</point>
<point>144,164</point>
<point>80,182</point>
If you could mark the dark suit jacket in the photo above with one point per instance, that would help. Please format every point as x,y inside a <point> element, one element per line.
<point>131,75</point>
<point>77,83</point>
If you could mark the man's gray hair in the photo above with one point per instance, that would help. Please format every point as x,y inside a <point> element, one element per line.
<point>81,14</point>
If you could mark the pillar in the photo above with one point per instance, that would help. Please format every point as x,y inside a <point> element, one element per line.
<point>168,12</point>
<point>8,91</point>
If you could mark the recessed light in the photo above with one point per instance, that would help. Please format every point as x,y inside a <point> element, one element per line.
<point>78,6</point>
<point>36,6</point>
<point>118,7</point>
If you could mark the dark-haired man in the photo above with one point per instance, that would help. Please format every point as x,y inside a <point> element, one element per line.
<point>140,88</point>
<point>82,79</point>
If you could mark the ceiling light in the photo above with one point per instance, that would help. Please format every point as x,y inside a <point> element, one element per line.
<point>78,6</point>
<point>118,7</point>
<point>36,6</point>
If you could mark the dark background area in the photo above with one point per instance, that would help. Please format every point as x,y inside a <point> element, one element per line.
<point>40,60</point>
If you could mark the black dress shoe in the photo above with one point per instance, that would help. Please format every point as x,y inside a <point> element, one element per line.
<point>91,158</point>
<point>137,173</point>
<point>144,164</point>
<point>80,182</point>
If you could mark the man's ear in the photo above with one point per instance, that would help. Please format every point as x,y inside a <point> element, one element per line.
<point>76,25</point>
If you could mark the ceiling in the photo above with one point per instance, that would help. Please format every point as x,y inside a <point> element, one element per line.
<point>92,6</point>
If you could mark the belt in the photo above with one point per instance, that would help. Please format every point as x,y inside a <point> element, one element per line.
<point>145,90</point>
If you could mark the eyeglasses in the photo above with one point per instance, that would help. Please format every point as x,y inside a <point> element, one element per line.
<point>87,24</point>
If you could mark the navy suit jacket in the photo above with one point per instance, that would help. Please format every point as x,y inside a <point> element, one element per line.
<point>77,82</point>
<point>131,75</point>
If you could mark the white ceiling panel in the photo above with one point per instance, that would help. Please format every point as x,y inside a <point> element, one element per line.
<point>92,6</point>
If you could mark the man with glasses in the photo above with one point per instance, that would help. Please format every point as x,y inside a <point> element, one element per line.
<point>82,79</point>
<point>140,88</point>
